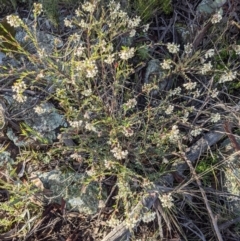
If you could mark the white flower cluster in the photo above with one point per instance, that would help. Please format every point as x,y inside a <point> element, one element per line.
<point>90,127</point>
<point>106,47</point>
<point>89,66</point>
<point>145,27</point>
<point>132,33</point>
<point>91,69</point>
<point>228,76</point>
<point>77,157</point>
<point>131,223</point>
<point>131,103</point>
<point>89,7</point>
<point>14,21</point>
<point>217,17</point>
<point>113,6</point>
<point>206,68</point>
<point>133,23</point>
<point>196,93</point>
<point>126,53</point>
<point>87,92</point>
<point>190,85</point>
<point>173,48</point>
<point>166,200</point>
<point>122,18</point>
<point>148,217</point>
<point>197,131</point>
<point>109,164</point>
<point>115,12</point>
<point>37,8</point>
<point>118,153</point>
<point>165,160</point>
<point>91,172</point>
<point>74,38</point>
<point>76,124</point>
<point>210,53</point>
<point>78,12</point>
<point>188,48</point>
<point>19,98</point>
<point>83,24</point>
<point>41,53</point>
<point>87,115</point>
<point>215,117</point>
<point>79,50</point>
<point>127,131</point>
<point>169,110</point>
<point>174,134</point>
<point>175,91</point>
<point>40,75</point>
<point>19,88</point>
<point>39,109</point>
<point>185,117</point>
<point>147,88</point>
<point>113,222</point>
<point>110,59</point>
<point>166,64</point>
<point>68,23</point>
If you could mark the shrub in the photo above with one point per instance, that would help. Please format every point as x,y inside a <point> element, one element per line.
<point>93,83</point>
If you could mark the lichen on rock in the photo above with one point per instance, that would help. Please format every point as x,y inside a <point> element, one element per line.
<point>70,187</point>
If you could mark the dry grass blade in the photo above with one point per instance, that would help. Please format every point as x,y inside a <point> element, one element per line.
<point>191,226</point>
<point>231,137</point>
<point>229,223</point>
<point>210,213</point>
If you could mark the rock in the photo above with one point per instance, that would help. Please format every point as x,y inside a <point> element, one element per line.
<point>46,42</point>
<point>153,71</point>
<point>210,6</point>
<point>5,159</point>
<point>2,56</point>
<point>70,187</point>
<point>44,125</point>
<point>155,75</point>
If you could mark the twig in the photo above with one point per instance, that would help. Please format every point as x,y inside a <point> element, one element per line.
<point>229,223</point>
<point>158,33</point>
<point>200,35</point>
<point>192,170</point>
<point>231,137</point>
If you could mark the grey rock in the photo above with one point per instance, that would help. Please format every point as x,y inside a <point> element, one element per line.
<point>5,159</point>
<point>209,6</point>
<point>46,42</point>
<point>154,72</point>
<point>2,56</point>
<point>45,124</point>
<point>70,187</point>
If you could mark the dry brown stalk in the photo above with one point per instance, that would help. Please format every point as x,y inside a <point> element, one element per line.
<point>210,213</point>
<point>231,137</point>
